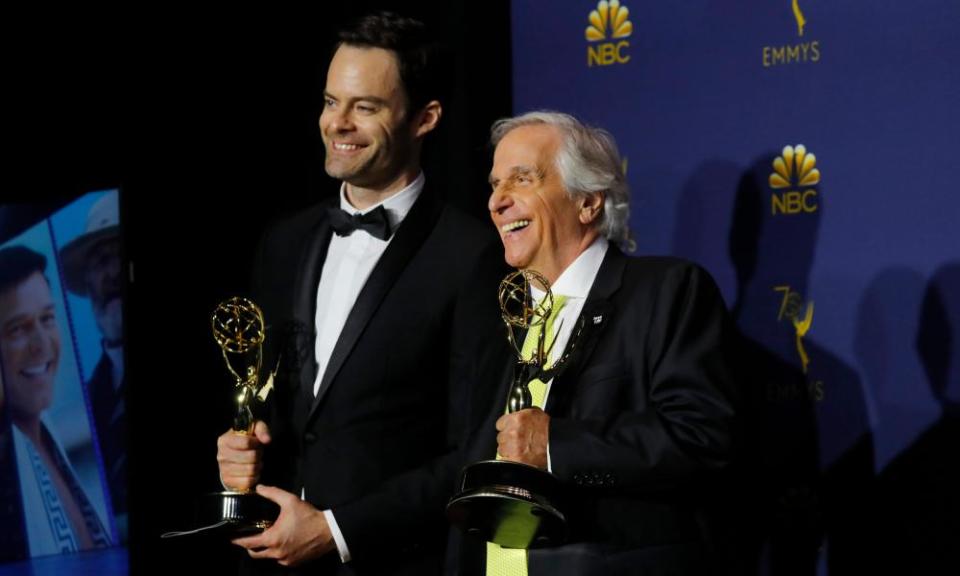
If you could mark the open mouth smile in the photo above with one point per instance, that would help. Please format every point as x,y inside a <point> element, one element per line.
<point>514,226</point>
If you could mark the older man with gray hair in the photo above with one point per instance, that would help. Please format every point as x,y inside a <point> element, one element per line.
<point>92,269</point>
<point>640,417</point>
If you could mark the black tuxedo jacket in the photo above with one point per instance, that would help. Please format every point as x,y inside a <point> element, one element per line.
<point>382,408</point>
<point>641,420</point>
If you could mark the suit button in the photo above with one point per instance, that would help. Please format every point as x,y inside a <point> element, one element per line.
<point>309,438</point>
<point>610,480</point>
<point>577,478</point>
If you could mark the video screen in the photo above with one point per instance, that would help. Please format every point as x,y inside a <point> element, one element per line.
<point>62,411</point>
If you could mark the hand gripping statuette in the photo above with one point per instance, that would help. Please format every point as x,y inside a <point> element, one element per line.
<point>510,503</point>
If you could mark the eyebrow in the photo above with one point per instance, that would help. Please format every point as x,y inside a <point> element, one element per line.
<point>21,317</point>
<point>517,171</point>
<point>372,99</point>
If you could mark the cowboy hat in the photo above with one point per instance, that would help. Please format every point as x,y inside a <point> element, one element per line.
<point>103,223</point>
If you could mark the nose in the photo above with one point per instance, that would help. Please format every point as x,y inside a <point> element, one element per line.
<point>499,200</point>
<point>38,341</point>
<point>107,281</point>
<point>337,119</point>
<point>104,269</point>
<point>113,268</point>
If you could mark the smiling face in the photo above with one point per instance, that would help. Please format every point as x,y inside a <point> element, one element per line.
<point>541,227</point>
<point>29,346</point>
<point>371,140</point>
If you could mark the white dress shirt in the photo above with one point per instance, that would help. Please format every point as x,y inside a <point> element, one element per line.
<point>574,283</point>
<point>350,260</point>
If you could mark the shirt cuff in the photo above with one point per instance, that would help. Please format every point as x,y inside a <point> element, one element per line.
<point>337,536</point>
<point>549,462</point>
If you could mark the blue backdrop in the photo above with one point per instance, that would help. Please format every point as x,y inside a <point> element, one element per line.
<point>804,152</point>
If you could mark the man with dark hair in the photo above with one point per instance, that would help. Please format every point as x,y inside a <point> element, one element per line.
<point>361,296</point>
<point>417,52</point>
<point>58,514</point>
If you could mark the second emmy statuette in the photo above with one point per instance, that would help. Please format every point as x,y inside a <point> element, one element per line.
<point>239,330</point>
<point>513,504</point>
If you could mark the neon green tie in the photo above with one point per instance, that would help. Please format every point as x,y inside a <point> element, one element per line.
<point>513,561</point>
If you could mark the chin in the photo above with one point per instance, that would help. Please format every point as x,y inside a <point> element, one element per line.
<point>110,320</point>
<point>47,400</point>
<point>337,172</point>
<point>519,261</point>
<point>513,261</point>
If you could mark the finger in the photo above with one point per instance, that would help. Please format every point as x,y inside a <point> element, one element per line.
<point>507,435</point>
<point>262,553</point>
<point>526,416</point>
<point>504,421</point>
<point>234,479</point>
<point>274,494</point>
<point>241,468</point>
<point>234,441</point>
<point>238,484</point>
<point>230,456</point>
<point>262,432</point>
<point>505,446</point>
<point>240,471</point>
<point>251,542</point>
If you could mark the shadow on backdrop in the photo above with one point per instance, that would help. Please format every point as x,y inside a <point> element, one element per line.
<point>917,501</point>
<point>806,454</point>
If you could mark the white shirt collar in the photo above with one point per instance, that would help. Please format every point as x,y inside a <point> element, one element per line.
<point>576,280</point>
<point>397,206</point>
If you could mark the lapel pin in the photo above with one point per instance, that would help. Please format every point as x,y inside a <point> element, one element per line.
<point>597,320</point>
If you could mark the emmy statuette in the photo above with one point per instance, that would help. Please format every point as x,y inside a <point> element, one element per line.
<point>239,330</point>
<point>513,504</point>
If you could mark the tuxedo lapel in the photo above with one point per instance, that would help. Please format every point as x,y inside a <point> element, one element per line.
<point>596,315</point>
<point>312,258</point>
<point>408,238</point>
<point>302,331</point>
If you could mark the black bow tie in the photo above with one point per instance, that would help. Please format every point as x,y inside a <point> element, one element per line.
<point>373,222</point>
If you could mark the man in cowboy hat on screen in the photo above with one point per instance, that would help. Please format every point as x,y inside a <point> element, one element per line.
<point>92,269</point>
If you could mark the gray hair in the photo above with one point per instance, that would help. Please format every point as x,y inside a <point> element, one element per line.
<point>588,162</point>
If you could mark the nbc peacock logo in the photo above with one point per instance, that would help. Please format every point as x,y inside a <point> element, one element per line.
<point>794,175</point>
<point>609,28</point>
<point>609,20</point>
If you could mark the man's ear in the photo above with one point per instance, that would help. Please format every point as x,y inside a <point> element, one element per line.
<point>591,206</point>
<point>427,118</point>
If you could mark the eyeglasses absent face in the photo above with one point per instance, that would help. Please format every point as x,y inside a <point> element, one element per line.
<point>29,346</point>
